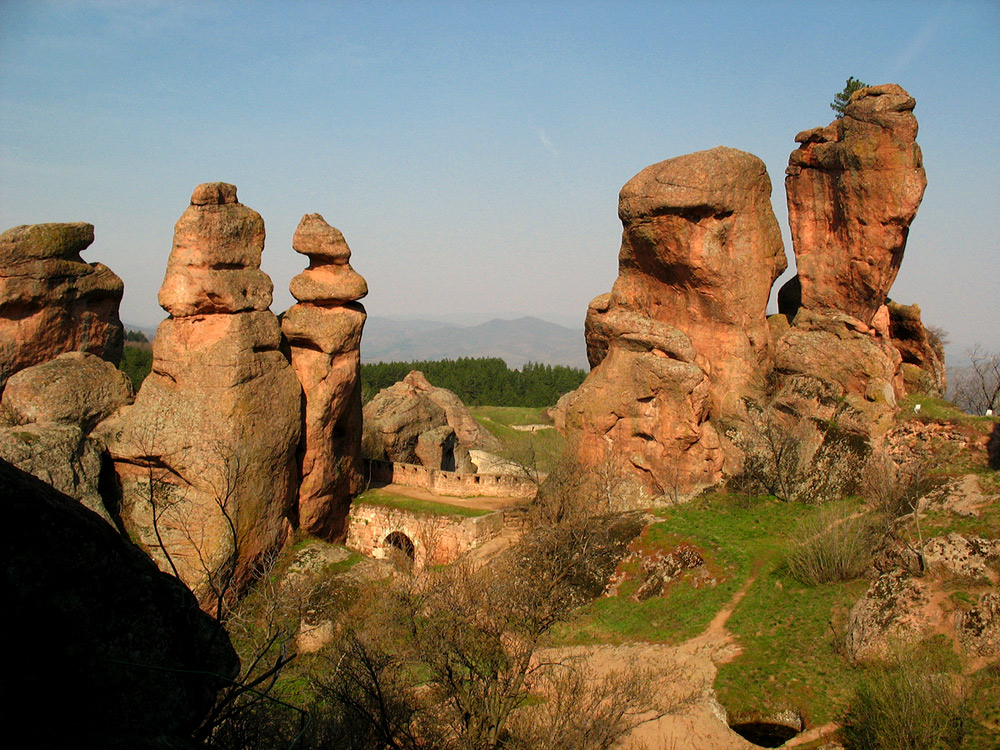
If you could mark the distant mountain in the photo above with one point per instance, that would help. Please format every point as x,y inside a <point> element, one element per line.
<point>515,341</point>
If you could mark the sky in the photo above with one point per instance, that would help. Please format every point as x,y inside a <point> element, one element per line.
<point>472,152</point>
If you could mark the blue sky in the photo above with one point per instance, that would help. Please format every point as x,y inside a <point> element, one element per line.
<point>472,153</point>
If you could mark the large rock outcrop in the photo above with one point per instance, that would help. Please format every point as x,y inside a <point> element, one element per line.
<point>110,652</point>
<point>414,422</point>
<point>853,188</point>
<point>51,300</point>
<point>683,333</point>
<point>324,335</point>
<point>206,455</point>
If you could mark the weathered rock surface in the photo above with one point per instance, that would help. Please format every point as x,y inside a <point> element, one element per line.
<point>836,365</point>
<point>62,456</point>
<point>399,415</point>
<point>900,607</point>
<point>51,300</point>
<point>324,336</point>
<point>47,414</point>
<point>683,334</point>
<point>923,367</point>
<point>206,455</point>
<point>853,188</point>
<point>700,251</point>
<point>119,651</point>
<point>74,388</point>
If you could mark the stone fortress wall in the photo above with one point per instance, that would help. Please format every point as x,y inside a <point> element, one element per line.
<point>433,539</point>
<point>449,483</point>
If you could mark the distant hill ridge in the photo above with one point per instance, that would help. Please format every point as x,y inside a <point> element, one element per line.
<point>517,342</point>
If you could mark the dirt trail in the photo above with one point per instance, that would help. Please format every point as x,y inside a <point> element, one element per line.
<point>686,674</point>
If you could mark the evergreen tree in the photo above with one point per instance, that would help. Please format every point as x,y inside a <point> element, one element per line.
<point>840,100</point>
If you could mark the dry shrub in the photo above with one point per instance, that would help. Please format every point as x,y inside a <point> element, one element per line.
<point>795,459</point>
<point>908,704</point>
<point>834,545</point>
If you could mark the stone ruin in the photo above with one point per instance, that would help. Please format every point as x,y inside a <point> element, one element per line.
<point>249,425</point>
<point>683,342</point>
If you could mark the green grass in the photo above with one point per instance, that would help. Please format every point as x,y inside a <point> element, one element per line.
<point>416,505</point>
<point>543,448</point>
<point>789,658</point>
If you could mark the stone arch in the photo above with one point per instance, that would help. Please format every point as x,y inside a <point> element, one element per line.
<point>398,545</point>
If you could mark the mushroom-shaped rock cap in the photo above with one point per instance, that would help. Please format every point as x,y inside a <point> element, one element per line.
<point>43,241</point>
<point>329,277</point>
<point>719,180</point>
<point>214,194</point>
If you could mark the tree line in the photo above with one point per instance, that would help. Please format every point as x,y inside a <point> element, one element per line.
<point>480,381</point>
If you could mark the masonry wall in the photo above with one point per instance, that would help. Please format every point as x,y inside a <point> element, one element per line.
<point>449,483</point>
<point>437,539</point>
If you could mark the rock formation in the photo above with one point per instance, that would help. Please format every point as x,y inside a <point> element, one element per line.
<point>922,352</point>
<point>51,301</point>
<point>110,652</point>
<point>853,188</point>
<point>683,332</point>
<point>324,335</point>
<point>413,422</point>
<point>47,416</point>
<point>206,455</point>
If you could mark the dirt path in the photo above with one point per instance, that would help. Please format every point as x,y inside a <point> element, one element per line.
<point>685,675</point>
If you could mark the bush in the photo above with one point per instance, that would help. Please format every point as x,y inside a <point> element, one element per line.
<point>834,546</point>
<point>909,704</point>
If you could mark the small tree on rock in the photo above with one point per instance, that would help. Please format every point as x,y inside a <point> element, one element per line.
<point>840,100</point>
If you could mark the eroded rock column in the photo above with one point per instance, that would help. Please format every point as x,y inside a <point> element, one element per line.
<point>324,334</point>
<point>52,301</point>
<point>683,333</point>
<point>206,455</point>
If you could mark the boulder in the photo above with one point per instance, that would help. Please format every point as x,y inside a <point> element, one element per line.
<point>978,629</point>
<point>397,417</point>
<point>324,337</point>
<point>75,388</point>
<point>206,455</point>
<point>51,301</point>
<point>923,367</point>
<point>853,188</point>
<point>896,609</point>
<point>110,651</point>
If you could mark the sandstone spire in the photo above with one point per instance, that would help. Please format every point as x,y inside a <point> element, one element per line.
<point>324,336</point>
<point>206,456</point>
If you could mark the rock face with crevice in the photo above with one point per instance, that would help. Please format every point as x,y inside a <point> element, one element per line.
<point>853,189</point>
<point>206,455</point>
<point>683,332</point>
<point>922,352</point>
<point>49,416</point>
<point>324,336</point>
<point>119,650</point>
<point>51,300</point>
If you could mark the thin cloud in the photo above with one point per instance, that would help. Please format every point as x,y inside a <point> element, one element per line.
<point>547,143</point>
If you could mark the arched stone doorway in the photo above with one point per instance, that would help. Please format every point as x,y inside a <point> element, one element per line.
<point>399,548</point>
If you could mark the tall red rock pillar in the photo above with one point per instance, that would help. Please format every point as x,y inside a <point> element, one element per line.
<point>206,455</point>
<point>324,334</point>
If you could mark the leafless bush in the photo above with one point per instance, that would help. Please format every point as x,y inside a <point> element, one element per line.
<point>795,459</point>
<point>976,388</point>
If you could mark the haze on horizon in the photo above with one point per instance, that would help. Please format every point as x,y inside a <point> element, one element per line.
<point>472,153</point>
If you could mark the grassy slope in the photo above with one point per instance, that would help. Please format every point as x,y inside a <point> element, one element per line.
<point>543,447</point>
